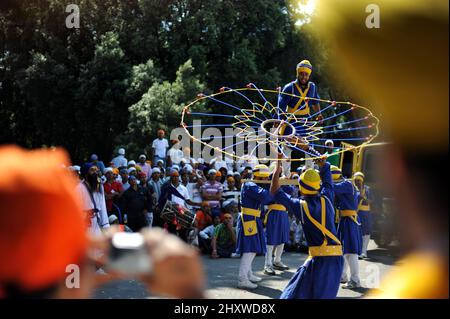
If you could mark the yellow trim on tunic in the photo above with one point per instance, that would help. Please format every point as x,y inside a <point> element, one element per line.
<point>324,249</point>
<point>349,213</point>
<point>251,212</point>
<point>305,110</point>
<point>272,207</point>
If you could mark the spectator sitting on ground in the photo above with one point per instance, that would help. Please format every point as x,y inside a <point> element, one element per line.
<point>144,166</point>
<point>205,236</point>
<point>96,162</point>
<point>224,241</point>
<point>231,207</point>
<point>120,159</point>
<point>212,192</point>
<point>203,217</point>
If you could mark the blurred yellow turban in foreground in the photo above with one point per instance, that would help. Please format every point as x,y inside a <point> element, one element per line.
<point>401,67</point>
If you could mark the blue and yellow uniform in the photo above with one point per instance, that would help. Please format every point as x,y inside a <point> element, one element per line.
<point>276,220</point>
<point>364,198</point>
<point>319,276</point>
<point>300,104</point>
<point>249,228</point>
<point>346,201</point>
<point>364,210</point>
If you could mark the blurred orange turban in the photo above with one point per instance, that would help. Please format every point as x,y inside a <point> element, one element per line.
<point>42,229</point>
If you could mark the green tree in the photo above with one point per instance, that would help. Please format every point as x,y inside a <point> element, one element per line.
<point>160,107</point>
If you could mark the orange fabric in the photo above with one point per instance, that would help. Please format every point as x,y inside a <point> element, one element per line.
<point>42,228</point>
<point>203,220</point>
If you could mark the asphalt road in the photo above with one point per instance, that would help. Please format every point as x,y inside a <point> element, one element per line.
<point>222,278</point>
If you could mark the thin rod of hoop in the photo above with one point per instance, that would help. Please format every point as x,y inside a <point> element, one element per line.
<point>232,155</point>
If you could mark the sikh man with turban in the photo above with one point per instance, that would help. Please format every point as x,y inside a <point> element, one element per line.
<point>249,228</point>
<point>298,98</point>
<point>319,276</point>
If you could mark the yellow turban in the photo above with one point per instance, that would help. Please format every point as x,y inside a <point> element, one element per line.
<point>309,182</point>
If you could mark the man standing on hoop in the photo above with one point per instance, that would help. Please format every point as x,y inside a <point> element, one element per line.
<point>299,105</point>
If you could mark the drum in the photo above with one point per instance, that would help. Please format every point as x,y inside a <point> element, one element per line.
<point>176,214</point>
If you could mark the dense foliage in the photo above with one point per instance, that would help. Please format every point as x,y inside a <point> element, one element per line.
<point>132,65</point>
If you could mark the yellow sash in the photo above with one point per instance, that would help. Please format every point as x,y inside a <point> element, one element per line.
<point>324,249</point>
<point>349,213</point>
<point>295,110</point>
<point>251,212</point>
<point>272,207</point>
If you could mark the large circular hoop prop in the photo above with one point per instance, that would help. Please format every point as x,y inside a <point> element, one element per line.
<point>250,109</point>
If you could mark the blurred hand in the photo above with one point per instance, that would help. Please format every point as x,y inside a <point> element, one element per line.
<point>319,117</point>
<point>177,270</point>
<point>321,161</point>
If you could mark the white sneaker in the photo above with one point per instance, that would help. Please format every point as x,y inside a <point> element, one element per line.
<point>269,271</point>
<point>246,284</point>
<point>344,280</point>
<point>234,255</point>
<point>280,266</point>
<point>254,278</point>
<point>351,285</point>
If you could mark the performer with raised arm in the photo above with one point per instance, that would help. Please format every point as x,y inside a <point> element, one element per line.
<point>349,229</point>
<point>319,276</point>
<point>250,230</point>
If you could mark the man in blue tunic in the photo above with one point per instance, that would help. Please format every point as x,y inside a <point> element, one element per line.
<point>349,229</point>
<point>364,215</point>
<point>276,221</point>
<point>319,276</point>
<point>250,230</point>
<point>304,90</point>
<point>297,98</point>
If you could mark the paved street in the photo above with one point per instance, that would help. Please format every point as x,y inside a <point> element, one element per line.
<point>222,277</point>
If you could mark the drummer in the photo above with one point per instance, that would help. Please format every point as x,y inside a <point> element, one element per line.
<point>176,192</point>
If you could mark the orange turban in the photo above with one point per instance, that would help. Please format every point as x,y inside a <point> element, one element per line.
<point>42,229</point>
